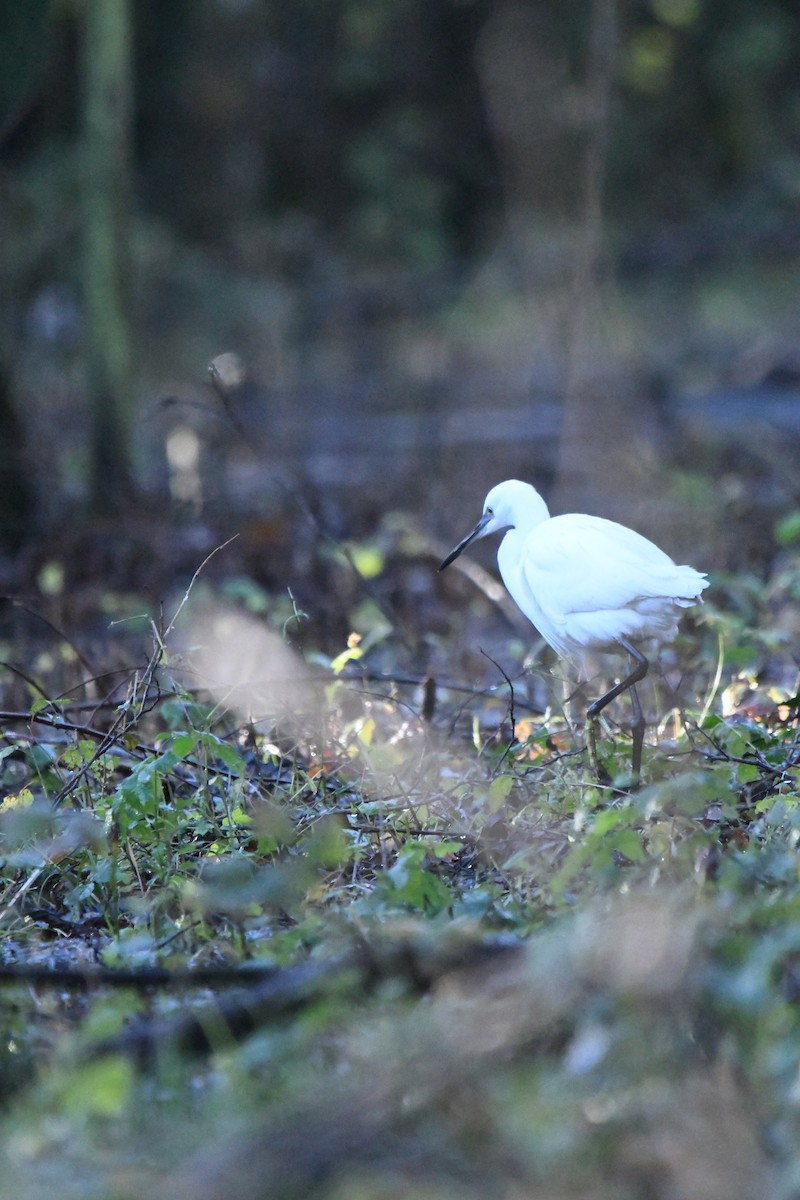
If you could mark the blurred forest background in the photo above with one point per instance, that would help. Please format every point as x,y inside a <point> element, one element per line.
<point>286,287</point>
<point>451,241</point>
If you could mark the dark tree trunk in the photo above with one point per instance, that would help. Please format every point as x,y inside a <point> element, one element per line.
<point>107,79</point>
<point>16,494</point>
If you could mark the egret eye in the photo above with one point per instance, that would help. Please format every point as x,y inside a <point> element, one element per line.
<point>489,512</point>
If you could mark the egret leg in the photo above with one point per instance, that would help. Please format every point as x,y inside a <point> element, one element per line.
<point>637,674</point>
<point>637,733</point>
<point>600,773</point>
<point>640,669</point>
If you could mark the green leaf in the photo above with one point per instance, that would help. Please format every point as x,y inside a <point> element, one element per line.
<point>629,843</point>
<point>351,654</point>
<point>787,530</point>
<point>498,792</point>
<point>222,750</point>
<point>183,744</point>
<point>327,845</point>
<point>367,558</point>
<point>227,754</point>
<point>446,848</point>
<point>102,1088</point>
<point>410,883</point>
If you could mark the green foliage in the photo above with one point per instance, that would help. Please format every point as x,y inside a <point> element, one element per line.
<point>410,883</point>
<point>103,1088</point>
<point>653,934</point>
<point>384,125</point>
<point>787,529</point>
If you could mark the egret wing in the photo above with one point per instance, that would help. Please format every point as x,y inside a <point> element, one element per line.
<point>578,563</point>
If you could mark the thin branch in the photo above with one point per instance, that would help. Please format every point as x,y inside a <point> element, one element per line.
<point>511,713</point>
<point>29,679</point>
<point>193,580</point>
<point>53,722</point>
<point>32,612</point>
<point>143,977</point>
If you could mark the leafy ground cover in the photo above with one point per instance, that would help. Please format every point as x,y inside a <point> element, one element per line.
<point>282,922</point>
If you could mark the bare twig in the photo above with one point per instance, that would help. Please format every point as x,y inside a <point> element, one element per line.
<point>192,582</point>
<point>511,713</point>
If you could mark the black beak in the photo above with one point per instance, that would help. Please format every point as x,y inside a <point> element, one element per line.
<point>477,531</point>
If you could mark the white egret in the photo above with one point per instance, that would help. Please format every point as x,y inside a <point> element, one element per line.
<point>587,584</point>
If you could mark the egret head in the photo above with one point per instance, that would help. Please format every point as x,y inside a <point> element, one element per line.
<point>508,505</point>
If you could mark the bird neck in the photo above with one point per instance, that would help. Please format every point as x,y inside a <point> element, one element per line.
<point>509,553</point>
<point>535,512</point>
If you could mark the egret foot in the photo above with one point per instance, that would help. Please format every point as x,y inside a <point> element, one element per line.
<point>600,773</point>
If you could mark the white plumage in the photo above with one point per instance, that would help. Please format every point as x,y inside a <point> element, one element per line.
<point>586,583</point>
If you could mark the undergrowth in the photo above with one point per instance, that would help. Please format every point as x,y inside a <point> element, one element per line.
<point>282,924</point>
